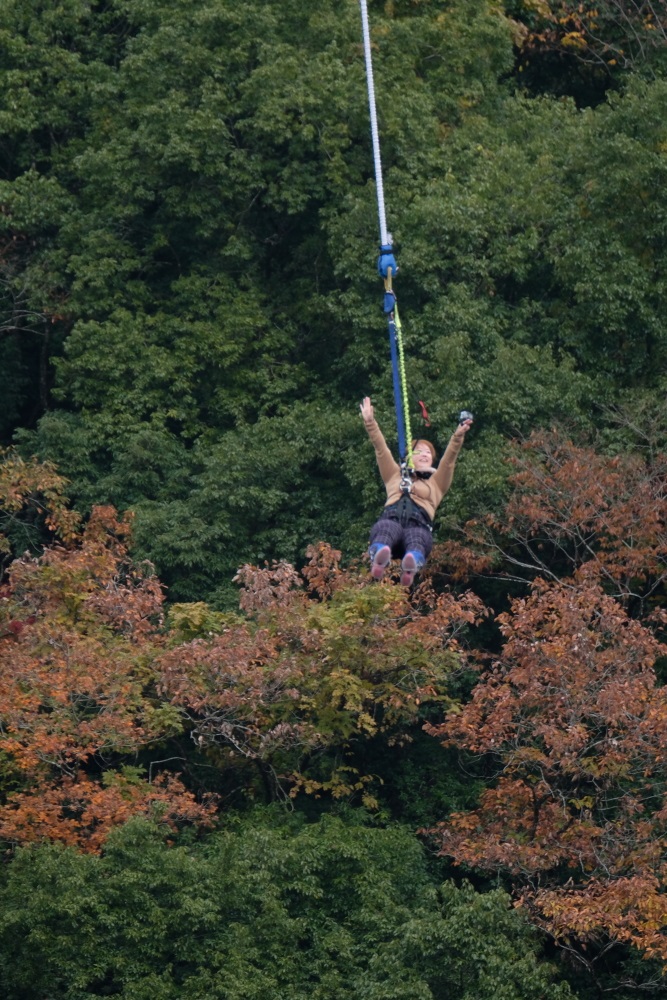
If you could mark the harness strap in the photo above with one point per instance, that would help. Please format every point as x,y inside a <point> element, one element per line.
<point>404,387</point>
<point>396,380</point>
<point>406,510</point>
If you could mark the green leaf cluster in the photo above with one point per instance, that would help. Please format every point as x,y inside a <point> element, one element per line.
<point>266,909</point>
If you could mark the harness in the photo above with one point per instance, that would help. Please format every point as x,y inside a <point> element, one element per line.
<point>406,511</point>
<point>406,480</point>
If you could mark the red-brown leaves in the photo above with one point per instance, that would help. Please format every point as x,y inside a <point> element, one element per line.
<point>575,513</point>
<point>238,690</point>
<point>572,662</point>
<point>306,674</point>
<point>71,681</point>
<point>263,588</point>
<point>74,688</point>
<point>573,714</point>
<point>81,812</point>
<point>322,571</point>
<point>570,715</point>
<point>605,516</point>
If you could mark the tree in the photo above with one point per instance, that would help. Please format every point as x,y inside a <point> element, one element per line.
<point>575,722</point>
<point>284,698</point>
<point>312,673</point>
<point>631,34</point>
<point>191,193</point>
<point>33,505</point>
<point>578,513</point>
<point>78,629</point>
<point>268,909</point>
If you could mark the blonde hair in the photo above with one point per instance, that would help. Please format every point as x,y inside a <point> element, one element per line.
<point>431,447</point>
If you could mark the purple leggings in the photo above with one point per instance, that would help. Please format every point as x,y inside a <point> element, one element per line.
<point>412,537</point>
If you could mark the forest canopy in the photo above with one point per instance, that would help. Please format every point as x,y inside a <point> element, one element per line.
<point>209,712</point>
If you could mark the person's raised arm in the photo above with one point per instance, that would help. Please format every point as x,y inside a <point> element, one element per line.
<point>386,463</point>
<point>444,474</point>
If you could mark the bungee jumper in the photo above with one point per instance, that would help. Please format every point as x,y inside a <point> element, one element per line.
<point>405,526</point>
<point>414,486</point>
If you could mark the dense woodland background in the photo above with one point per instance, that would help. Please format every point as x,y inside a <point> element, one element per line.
<point>230,766</point>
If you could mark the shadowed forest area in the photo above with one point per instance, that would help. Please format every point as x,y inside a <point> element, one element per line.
<point>232,766</point>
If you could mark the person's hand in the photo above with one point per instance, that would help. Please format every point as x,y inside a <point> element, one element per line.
<point>366,408</point>
<point>463,429</point>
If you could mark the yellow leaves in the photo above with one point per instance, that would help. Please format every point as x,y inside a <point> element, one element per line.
<point>586,802</point>
<point>541,7</point>
<point>345,783</point>
<point>527,755</point>
<point>359,609</point>
<point>37,487</point>
<point>624,32</point>
<point>197,619</point>
<point>347,689</point>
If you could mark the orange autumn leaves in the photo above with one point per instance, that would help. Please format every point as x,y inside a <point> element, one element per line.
<point>323,662</point>
<point>78,628</point>
<point>571,714</point>
<point>81,811</point>
<point>92,680</point>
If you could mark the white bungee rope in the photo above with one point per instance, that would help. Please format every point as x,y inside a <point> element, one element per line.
<point>385,237</point>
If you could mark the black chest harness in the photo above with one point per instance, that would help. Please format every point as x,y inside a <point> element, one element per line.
<point>407,513</point>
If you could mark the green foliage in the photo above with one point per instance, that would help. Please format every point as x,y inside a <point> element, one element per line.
<point>421,782</point>
<point>190,238</point>
<point>267,909</point>
<point>189,316</point>
<point>196,620</point>
<point>201,228</point>
<point>257,490</point>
